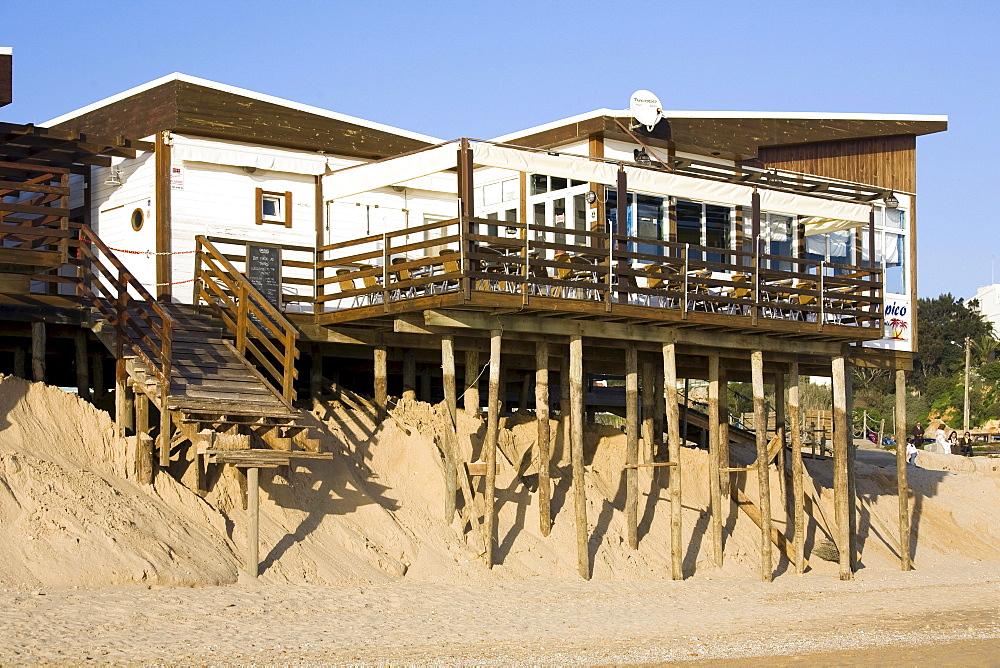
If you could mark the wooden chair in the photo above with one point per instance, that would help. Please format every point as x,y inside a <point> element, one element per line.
<point>400,276</point>
<point>370,282</point>
<point>346,285</point>
<point>450,264</point>
<point>743,291</point>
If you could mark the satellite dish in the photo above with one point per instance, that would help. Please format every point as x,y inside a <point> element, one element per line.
<point>645,108</point>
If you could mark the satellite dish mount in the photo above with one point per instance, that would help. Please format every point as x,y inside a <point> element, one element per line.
<point>646,109</point>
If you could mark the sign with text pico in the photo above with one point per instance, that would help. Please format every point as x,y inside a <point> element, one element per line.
<point>898,325</point>
<point>264,271</point>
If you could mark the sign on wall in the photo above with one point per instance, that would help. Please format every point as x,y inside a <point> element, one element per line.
<point>898,326</point>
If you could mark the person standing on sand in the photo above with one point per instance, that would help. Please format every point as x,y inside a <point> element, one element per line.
<point>941,440</point>
<point>911,452</point>
<point>918,435</point>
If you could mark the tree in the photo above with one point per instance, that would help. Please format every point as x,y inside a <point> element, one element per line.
<point>939,322</point>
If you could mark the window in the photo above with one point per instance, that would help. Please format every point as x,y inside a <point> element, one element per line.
<point>137,219</point>
<point>274,208</point>
<point>704,225</point>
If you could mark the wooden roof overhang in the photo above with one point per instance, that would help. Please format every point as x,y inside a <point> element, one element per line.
<point>730,138</point>
<point>184,106</point>
<point>22,146</point>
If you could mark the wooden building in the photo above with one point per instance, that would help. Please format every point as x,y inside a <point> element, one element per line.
<point>274,238</point>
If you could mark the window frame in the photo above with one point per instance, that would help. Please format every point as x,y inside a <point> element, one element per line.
<point>283,198</point>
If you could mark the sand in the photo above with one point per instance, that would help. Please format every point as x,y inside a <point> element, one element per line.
<point>359,565</point>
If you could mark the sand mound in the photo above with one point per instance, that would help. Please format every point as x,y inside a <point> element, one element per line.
<point>71,515</point>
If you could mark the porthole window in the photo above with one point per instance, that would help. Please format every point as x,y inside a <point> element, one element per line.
<point>137,220</point>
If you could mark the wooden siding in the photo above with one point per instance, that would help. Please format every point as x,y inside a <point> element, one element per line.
<point>887,162</point>
<point>6,80</point>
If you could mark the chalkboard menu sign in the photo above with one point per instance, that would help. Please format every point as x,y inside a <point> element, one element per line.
<point>264,271</point>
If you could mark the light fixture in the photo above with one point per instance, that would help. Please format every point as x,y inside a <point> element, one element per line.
<point>641,156</point>
<point>890,201</point>
<point>591,197</point>
<point>248,169</point>
<point>114,176</point>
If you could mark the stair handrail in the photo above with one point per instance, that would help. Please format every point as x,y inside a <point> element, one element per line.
<point>117,305</point>
<point>248,316</point>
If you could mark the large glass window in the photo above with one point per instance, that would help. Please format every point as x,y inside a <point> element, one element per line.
<point>704,225</point>
<point>777,232</point>
<point>835,247</point>
<point>689,225</point>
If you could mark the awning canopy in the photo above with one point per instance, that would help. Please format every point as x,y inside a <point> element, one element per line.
<point>821,215</point>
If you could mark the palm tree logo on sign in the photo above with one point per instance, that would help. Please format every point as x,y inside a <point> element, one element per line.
<point>898,326</point>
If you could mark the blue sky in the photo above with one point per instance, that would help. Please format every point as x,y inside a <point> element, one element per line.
<point>480,69</point>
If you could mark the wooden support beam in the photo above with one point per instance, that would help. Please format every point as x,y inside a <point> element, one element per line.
<point>726,483</point>
<point>253,521</point>
<point>841,444</point>
<point>81,364</point>
<point>164,442</point>
<point>472,370</point>
<point>381,378</point>
<point>451,400</point>
<point>565,412</point>
<point>659,409</point>
<point>674,445</point>
<point>798,493</point>
<point>763,470</point>
<point>143,458</point>
<point>631,446</point>
<point>409,374</point>
<point>576,450</point>
<point>715,495</point>
<point>99,388</point>
<point>162,217</point>
<point>542,453</point>
<point>490,445</point>
<point>902,487</point>
<point>38,351</point>
<point>20,363</point>
<point>648,396</point>
<point>852,493</point>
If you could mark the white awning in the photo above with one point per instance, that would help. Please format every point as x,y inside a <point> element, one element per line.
<point>815,225</point>
<point>666,184</point>
<point>246,155</point>
<point>360,179</point>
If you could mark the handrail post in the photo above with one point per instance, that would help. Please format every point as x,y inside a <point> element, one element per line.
<point>195,300</point>
<point>756,284</point>
<point>687,256</point>
<point>527,262</point>
<point>242,314</point>
<point>385,272</point>
<point>822,294</point>
<point>610,276</point>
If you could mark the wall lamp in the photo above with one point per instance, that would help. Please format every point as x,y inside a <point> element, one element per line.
<point>890,201</point>
<point>641,156</point>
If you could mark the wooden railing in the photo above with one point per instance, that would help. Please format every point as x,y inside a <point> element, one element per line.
<point>37,224</point>
<point>139,321</point>
<point>594,266</point>
<point>263,335</point>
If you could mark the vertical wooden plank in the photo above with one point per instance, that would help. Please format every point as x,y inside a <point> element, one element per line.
<point>472,371</point>
<point>579,483</point>
<point>902,487</point>
<point>715,497</point>
<point>38,351</point>
<point>798,498</point>
<point>841,442</point>
<point>542,450</point>
<point>763,470</point>
<point>253,521</point>
<point>81,363</point>
<point>20,363</point>
<point>852,495</point>
<point>631,445</point>
<point>648,411</point>
<point>409,374</point>
<point>381,364</point>
<point>161,161</point>
<point>490,445</point>
<point>674,445</point>
<point>144,458</point>
<point>451,401</point>
<point>779,428</point>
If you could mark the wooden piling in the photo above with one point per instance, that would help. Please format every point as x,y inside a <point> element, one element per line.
<point>38,351</point>
<point>253,521</point>
<point>902,487</point>
<point>409,374</point>
<point>841,443</point>
<point>780,431</point>
<point>121,379</point>
<point>81,363</point>
<point>798,494</point>
<point>451,401</point>
<point>141,413</point>
<point>659,408</point>
<point>565,413</point>
<point>99,388</point>
<point>20,363</point>
<point>490,445</point>
<point>631,446</point>
<point>724,462</point>
<point>472,370</point>
<point>542,453</point>
<point>579,483</point>
<point>763,469</point>
<point>715,495</point>
<point>648,395</point>
<point>852,493</point>
<point>674,445</point>
<point>143,458</point>
<point>381,376</point>
<point>165,435</point>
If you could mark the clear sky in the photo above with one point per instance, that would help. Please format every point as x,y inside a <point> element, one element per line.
<point>477,69</point>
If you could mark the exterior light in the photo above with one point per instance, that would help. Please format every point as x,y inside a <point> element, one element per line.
<point>641,156</point>
<point>890,201</point>
<point>591,197</point>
